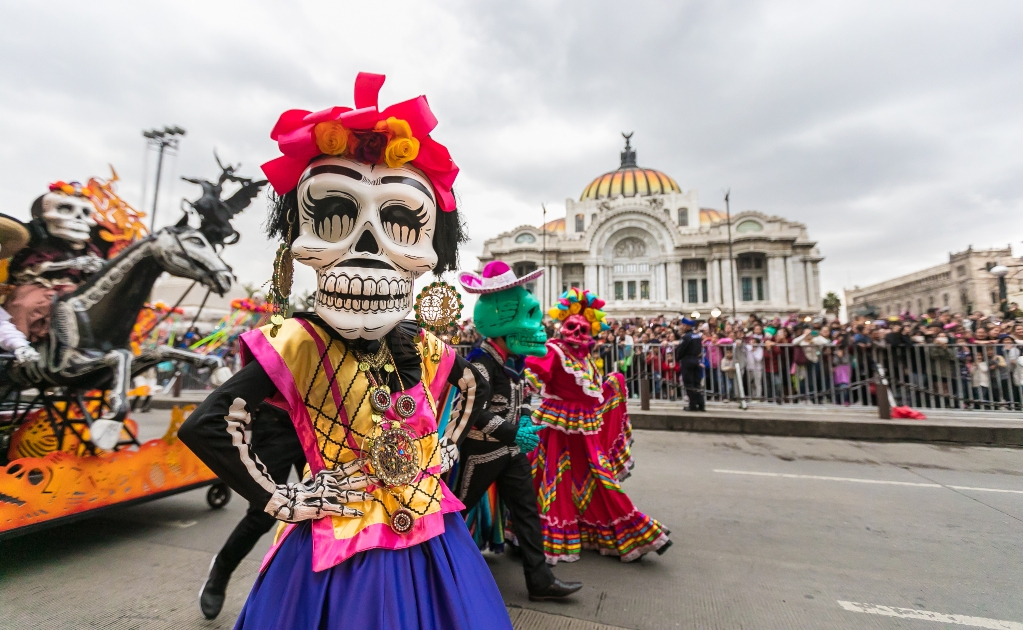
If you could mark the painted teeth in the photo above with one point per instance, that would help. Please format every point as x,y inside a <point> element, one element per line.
<point>367,295</point>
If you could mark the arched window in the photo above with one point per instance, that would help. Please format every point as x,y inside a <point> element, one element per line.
<point>580,223</point>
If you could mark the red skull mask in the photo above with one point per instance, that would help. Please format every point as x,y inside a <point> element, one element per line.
<point>575,331</point>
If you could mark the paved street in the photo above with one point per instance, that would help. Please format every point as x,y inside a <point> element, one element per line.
<point>769,532</point>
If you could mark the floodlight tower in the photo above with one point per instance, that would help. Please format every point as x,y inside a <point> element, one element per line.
<point>163,139</point>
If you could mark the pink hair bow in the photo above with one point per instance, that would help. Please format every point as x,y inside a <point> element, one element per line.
<point>296,138</point>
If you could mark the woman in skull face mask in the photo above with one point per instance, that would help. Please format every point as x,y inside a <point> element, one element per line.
<point>584,451</point>
<point>373,538</point>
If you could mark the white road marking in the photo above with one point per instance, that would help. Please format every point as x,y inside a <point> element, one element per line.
<point>927,615</point>
<point>857,480</point>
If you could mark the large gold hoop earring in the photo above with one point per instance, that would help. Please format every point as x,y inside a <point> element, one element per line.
<point>280,282</point>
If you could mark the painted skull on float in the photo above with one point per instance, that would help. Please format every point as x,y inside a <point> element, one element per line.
<point>68,213</point>
<point>368,231</point>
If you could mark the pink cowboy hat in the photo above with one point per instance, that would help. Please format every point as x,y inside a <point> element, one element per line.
<point>496,276</point>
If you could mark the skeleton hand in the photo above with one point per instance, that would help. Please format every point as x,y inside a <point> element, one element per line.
<point>91,264</point>
<point>26,354</point>
<point>326,494</point>
<point>448,454</point>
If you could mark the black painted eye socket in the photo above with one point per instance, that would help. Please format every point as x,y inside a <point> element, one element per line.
<point>402,224</point>
<point>333,217</point>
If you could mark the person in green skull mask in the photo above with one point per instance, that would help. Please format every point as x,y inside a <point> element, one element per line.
<point>511,320</point>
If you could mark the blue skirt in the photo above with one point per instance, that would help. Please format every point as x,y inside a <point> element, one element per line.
<point>442,584</point>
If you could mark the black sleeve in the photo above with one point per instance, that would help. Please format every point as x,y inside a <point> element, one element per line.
<point>215,432</point>
<point>488,421</point>
<point>475,393</point>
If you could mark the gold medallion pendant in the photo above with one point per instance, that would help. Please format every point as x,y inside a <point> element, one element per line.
<point>394,456</point>
<point>402,521</point>
<point>438,306</point>
<point>380,399</point>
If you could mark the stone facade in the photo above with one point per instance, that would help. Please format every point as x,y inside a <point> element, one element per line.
<point>962,285</point>
<point>656,251</point>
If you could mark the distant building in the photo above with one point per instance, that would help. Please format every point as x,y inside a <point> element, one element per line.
<point>648,248</point>
<point>963,284</point>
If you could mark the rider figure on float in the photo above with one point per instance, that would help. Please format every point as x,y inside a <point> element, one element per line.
<point>59,258</point>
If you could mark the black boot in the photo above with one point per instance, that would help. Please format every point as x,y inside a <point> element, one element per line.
<point>556,590</point>
<point>211,597</point>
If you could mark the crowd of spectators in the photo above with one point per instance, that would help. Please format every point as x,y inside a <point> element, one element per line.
<point>937,359</point>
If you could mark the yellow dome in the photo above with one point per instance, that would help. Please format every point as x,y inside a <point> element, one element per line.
<point>629,180</point>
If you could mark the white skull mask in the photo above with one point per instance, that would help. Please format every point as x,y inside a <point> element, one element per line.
<point>68,217</point>
<point>368,231</point>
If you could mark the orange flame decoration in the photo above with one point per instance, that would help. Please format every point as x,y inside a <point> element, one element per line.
<point>38,489</point>
<point>119,223</point>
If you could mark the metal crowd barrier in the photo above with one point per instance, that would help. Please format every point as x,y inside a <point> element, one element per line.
<point>962,376</point>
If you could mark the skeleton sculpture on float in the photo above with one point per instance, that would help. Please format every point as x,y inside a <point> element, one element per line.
<point>87,345</point>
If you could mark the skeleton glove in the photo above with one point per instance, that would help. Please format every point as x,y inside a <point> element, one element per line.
<point>526,437</point>
<point>326,494</point>
<point>448,454</point>
<point>26,354</point>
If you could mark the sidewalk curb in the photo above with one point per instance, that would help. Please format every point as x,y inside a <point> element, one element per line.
<point>879,431</point>
<point>748,423</point>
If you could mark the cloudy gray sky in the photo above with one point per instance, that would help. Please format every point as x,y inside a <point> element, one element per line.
<point>893,130</point>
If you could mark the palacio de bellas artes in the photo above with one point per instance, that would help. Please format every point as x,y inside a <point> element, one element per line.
<point>649,248</point>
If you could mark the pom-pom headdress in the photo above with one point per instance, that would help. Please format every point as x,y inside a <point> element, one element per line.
<point>397,135</point>
<point>586,303</point>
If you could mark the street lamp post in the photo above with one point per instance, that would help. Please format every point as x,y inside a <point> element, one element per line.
<point>731,261</point>
<point>546,275</point>
<point>162,139</point>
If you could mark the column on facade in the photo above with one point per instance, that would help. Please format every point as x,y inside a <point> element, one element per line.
<point>776,281</point>
<point>713,280</point>
<point>797,280</point>
<point>806,282</point>
<point>673,282</point>
<point>729,285</point>
<point>552,279</point>
<point>662,282</point>
<point>816,302</point>
<point>590,275</point>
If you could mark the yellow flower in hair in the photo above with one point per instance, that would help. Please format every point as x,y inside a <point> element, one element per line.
<point>402,147</point>
<point>331,137</point>
<point>590,315</point>
<point>595,328</point>
<point>575,308</point>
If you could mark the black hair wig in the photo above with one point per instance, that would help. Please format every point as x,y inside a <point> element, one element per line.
<point>448,235</point>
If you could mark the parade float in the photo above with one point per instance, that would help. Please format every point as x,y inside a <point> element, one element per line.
<point>77,290</point>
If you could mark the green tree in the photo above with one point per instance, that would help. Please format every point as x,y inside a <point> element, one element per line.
<point>832,303</point>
